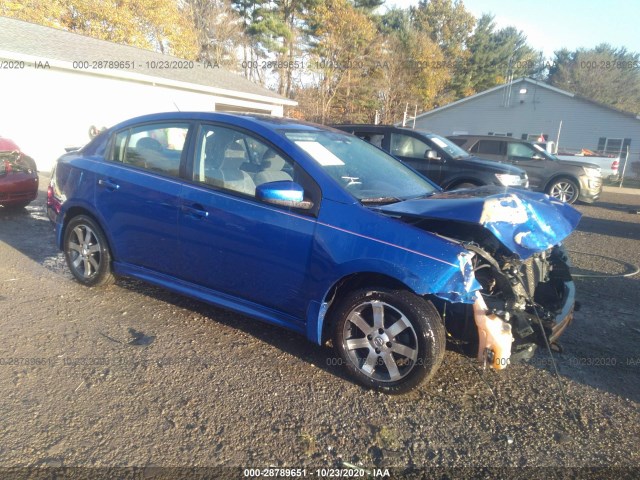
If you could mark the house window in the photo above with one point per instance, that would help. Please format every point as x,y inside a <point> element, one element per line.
<point>613,146</point>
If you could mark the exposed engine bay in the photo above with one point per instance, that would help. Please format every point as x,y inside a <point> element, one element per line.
<point>517,291</point>
<point>514,291</point>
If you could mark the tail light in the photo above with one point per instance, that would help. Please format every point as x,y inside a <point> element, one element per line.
<point>615,165</point>
<point>52,201</point>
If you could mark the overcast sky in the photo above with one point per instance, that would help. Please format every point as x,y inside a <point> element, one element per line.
<point>551,25</point>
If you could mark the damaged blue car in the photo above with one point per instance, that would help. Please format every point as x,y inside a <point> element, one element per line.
<point>315,230</point>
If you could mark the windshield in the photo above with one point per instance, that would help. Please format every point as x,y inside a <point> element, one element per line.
<point>448,146</point>
<point>366,172</point>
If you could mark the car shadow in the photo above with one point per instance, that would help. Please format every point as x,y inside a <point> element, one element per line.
<point>285,340</point>
<point>607,227</point>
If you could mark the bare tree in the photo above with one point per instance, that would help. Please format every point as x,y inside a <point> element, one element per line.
<point>220,31</point>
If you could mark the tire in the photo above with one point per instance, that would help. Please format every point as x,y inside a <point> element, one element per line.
<point>87,252</point>
<point>564,189</point>
<point>405,349</point>
<point>463,185</point>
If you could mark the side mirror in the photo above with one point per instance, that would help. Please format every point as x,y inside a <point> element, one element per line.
<point>284,193</point>
<point>431,155</point>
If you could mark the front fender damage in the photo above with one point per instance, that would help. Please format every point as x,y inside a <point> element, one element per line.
<point>514,286</point>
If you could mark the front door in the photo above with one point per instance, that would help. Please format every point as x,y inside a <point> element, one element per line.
<point>416,153</point>
<point>233,243</point>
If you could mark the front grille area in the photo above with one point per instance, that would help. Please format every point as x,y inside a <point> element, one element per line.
<point>533,271</point>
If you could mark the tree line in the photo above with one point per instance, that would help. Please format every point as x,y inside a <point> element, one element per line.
<point>347,60</point>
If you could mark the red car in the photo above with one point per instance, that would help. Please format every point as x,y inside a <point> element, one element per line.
<point>18,176</point>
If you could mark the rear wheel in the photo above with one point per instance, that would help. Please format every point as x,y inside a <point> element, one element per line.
<point>389,340</point>
<point>87,252</point>
<point>564,189</point>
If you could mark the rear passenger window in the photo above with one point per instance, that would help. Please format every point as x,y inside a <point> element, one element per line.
<point>155,147</point>
<point>488,147</point>
<point>372,138</point>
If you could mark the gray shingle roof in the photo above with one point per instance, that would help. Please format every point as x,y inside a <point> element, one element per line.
<point>51,44</point>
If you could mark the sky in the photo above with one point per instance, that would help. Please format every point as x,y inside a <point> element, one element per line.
<point>551,25</point>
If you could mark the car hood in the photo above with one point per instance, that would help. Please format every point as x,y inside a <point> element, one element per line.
<point>524,222</point>
<point>578,163</point>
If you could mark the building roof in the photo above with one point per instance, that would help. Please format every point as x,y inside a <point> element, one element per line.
<point>533,82</point>
<point>26,41</point>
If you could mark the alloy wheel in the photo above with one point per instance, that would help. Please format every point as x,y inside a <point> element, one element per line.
<point>380,341</point>
<point>85,251</point>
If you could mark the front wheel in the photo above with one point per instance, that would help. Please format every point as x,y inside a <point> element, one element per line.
<point>460,186</point>
<point>565,190</point>
<point>87,252</point>
<point>389,340</point>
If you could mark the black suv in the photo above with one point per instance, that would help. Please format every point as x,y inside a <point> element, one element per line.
<point>437,158</point>
<point>564,180</point>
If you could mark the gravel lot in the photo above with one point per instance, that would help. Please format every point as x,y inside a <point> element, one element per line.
<point>134,376</point>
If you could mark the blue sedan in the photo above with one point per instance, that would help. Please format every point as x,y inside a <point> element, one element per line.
<point>317,231</point>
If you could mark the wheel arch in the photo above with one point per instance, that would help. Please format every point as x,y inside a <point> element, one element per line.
<point>73,212</point>
<point>458,181</point>
<point>348,284</point>
<point>560,176</point>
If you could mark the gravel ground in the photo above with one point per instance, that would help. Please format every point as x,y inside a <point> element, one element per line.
<point>134,376</point>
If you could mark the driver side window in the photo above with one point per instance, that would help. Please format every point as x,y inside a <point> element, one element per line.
<point>520,150</point>
<point>410,147</point>
<point>232,160</point>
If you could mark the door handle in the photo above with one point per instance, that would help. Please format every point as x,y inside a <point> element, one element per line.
<point>108,184</point>
<point>195,210</point>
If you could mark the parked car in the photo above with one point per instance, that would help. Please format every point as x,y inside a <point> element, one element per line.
<point>18,176</point>
<point>437,158</point>
<point>567,181</point>
<point>315,230</point>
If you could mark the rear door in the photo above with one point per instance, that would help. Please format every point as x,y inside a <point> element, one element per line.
<point>138,194</point>
<point>235,244</point>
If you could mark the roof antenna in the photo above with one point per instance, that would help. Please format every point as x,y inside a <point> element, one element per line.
<point>176,105</point>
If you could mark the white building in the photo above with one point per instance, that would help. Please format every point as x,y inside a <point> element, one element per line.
<point>56,85</point>
<point>527,109</point>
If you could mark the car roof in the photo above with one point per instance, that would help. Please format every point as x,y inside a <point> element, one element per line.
<point>246,120</point>
<point>489,137</point>
<point>371,126</point>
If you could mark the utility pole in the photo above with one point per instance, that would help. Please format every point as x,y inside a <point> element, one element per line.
<point>624,167</point>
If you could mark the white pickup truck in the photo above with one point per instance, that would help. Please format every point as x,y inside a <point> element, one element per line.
<point>609,164</point>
